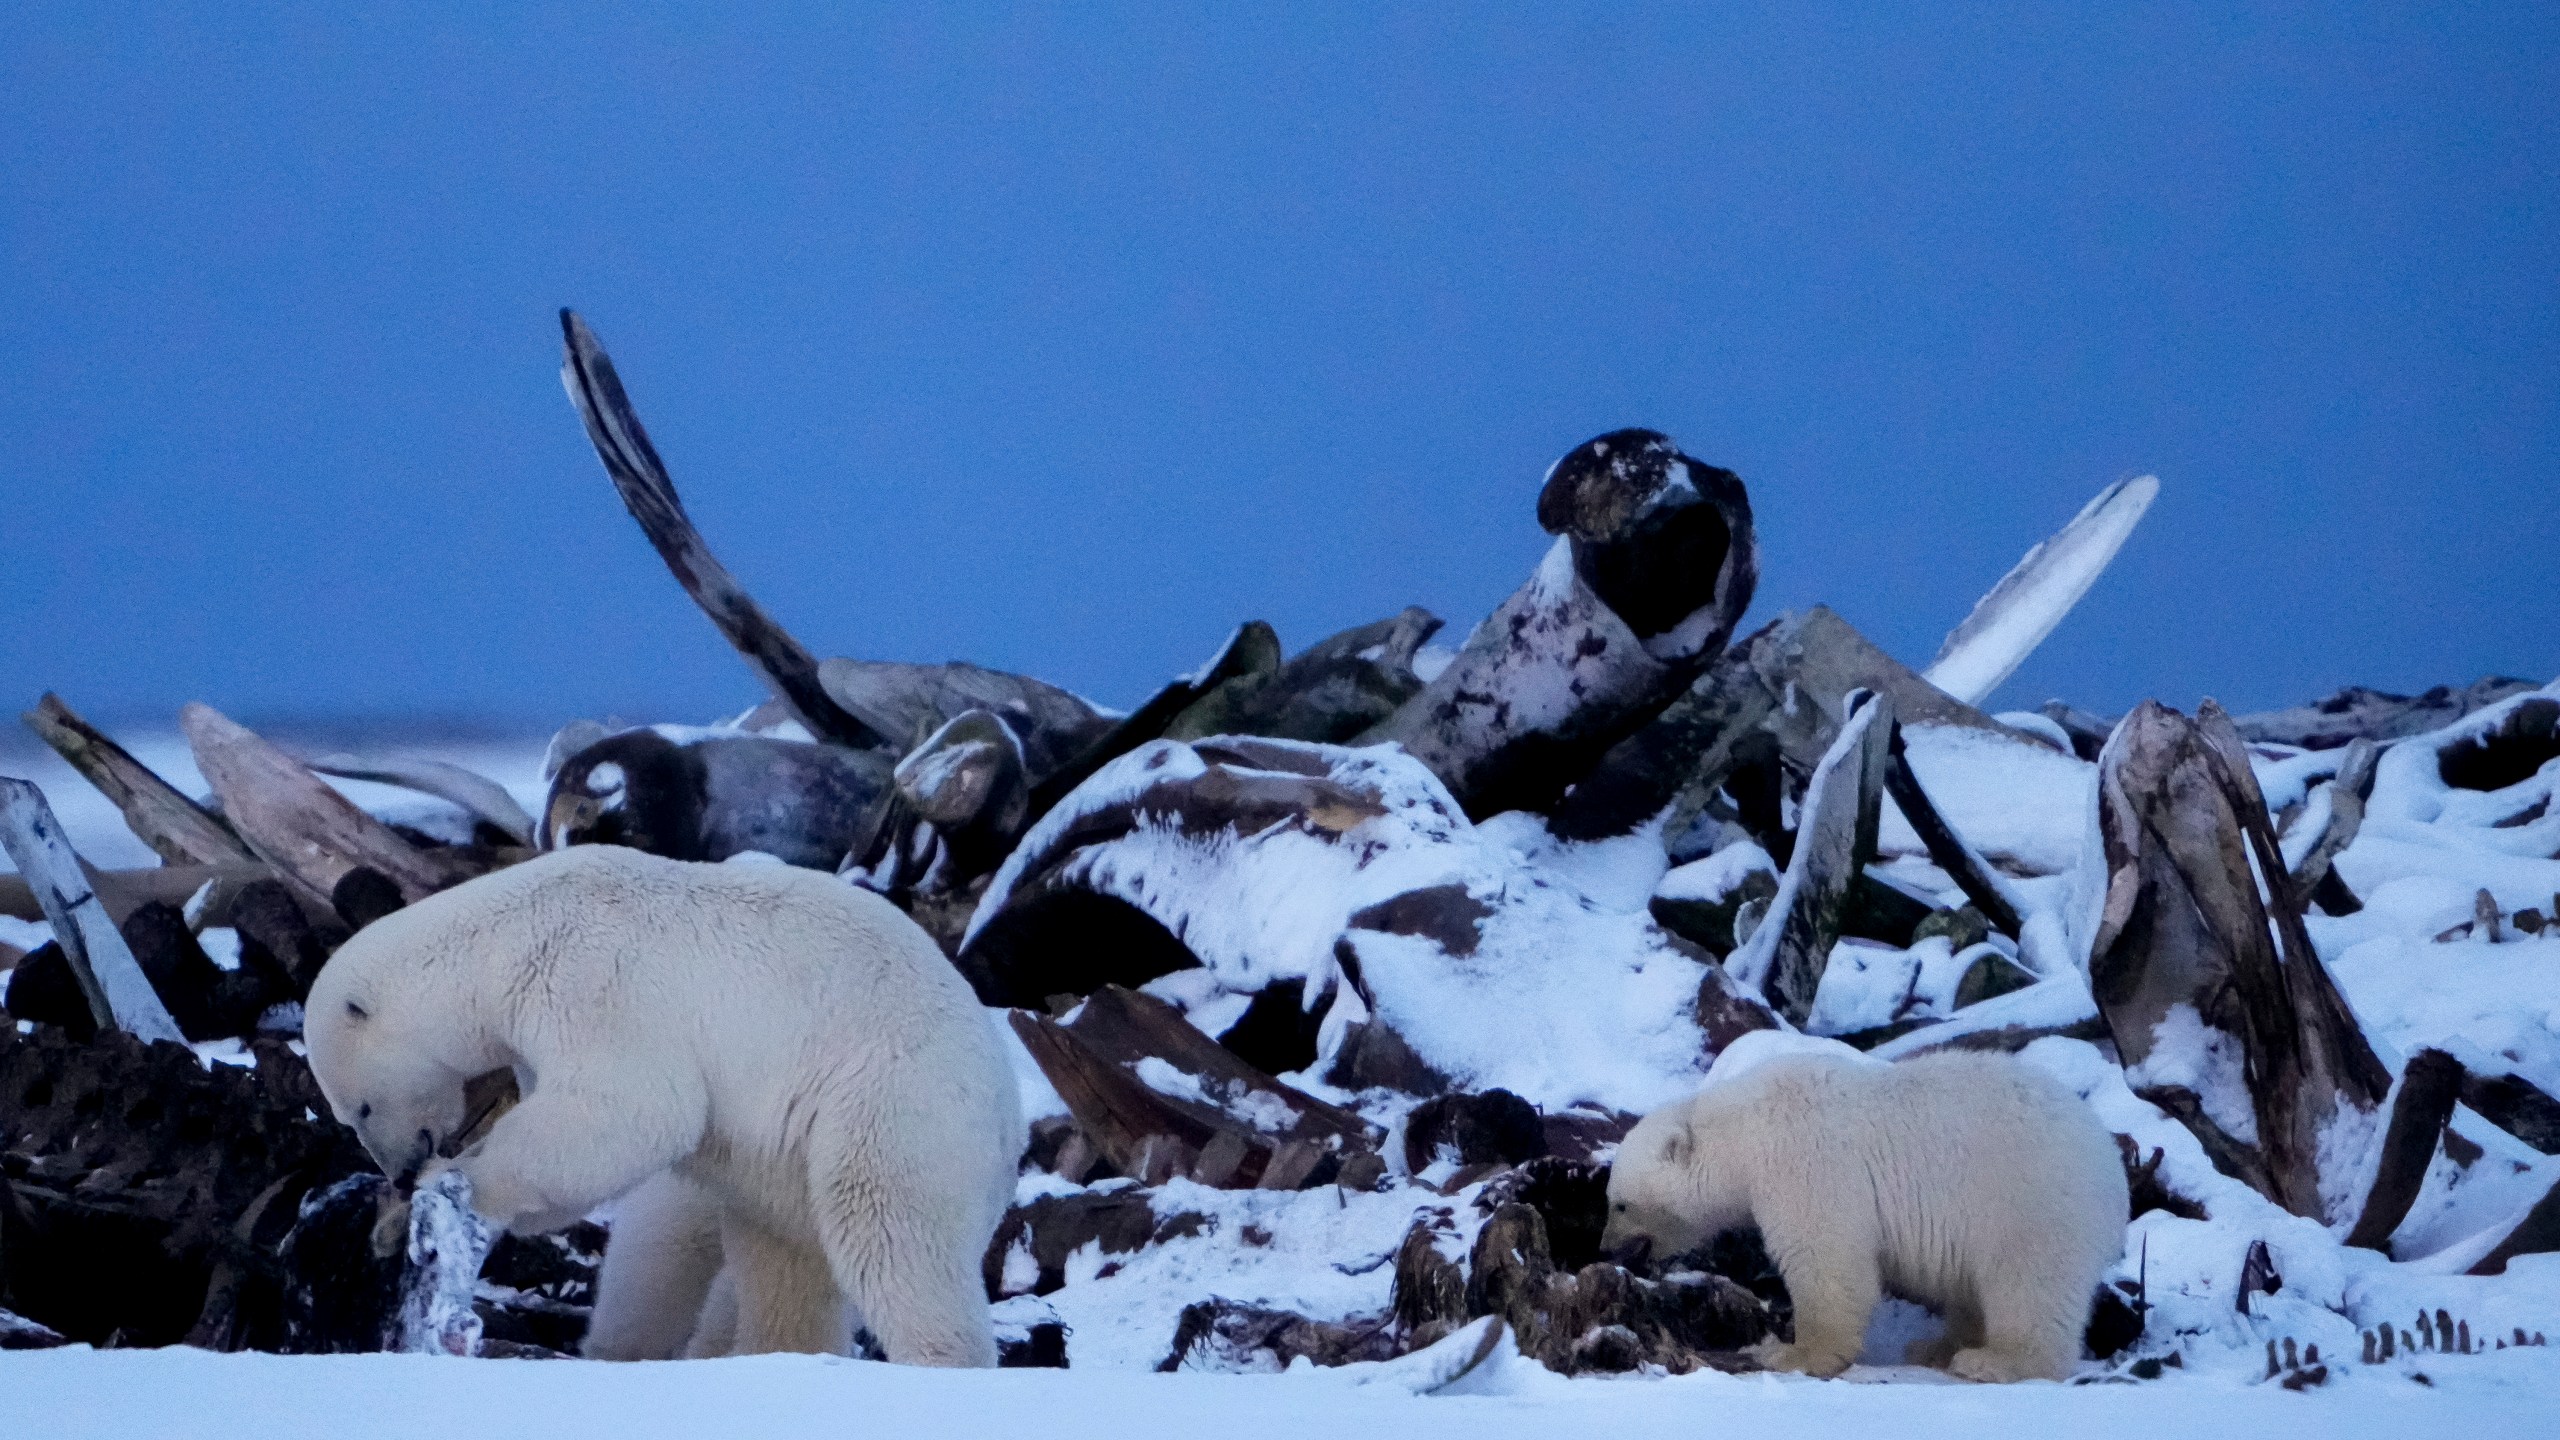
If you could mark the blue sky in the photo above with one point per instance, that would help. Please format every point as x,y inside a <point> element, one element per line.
<point>1062,339</point>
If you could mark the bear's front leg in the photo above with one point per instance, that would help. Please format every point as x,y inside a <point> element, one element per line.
<point>1835,1282</point>
<point>564,1151</point>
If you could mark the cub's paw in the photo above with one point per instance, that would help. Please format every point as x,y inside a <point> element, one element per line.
<point>2000,1367</point>
<point>1820,1364</point>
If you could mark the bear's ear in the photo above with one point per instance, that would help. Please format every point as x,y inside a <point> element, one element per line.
<point>1677,1145</point>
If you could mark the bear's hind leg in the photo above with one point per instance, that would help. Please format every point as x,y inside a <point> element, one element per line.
<point>2029,1333</point>
<point>1962,1331</point>
<point>924,1300</point>
<point>715,1331</point>
<point>787,1301</point>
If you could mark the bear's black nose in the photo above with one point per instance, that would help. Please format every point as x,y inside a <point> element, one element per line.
<point>1633,1253</point>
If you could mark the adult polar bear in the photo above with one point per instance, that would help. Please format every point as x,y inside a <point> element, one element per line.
<point>1970,1182</point>
<point>794,1049</point>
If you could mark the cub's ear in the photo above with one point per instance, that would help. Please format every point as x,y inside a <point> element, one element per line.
<point>1677,1145</point>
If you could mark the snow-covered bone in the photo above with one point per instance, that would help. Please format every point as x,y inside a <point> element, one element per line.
<point>1655,560</point>
<point>1251,649</point>
<point>1136,1074</point>
<point>1270,861</point>
<point>2219,1005</point>
<point>1785,956</point>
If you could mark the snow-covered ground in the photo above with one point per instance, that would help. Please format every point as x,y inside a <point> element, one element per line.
<point>180,1394</point>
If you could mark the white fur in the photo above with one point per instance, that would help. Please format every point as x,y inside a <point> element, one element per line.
<point>1970,1183</point>
<point>796,1050</point>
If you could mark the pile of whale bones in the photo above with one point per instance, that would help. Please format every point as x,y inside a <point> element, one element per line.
<point>1225,927</point>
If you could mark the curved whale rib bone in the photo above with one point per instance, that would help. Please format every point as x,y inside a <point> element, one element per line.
<point>2009,623</point>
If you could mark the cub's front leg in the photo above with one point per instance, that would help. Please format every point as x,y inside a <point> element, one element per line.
<point>1833,1276</point>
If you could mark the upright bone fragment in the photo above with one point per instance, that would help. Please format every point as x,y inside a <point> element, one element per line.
<point>1327,693</point>
<point>120,996</point>
<point>650,495</point>
<point>1972,874</point>
<point>2315,880</point>
<point>1843,805</point>
<point>1780,692</point>
<point>1654,563</point>
<point>2206,977</point>
<point>967,780</point>
<point>1253,649</point>
<point>2429,1087</point>
<point>908,702</point>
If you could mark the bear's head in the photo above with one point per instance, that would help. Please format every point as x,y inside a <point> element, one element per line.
<point>1654,1185</point>
<point>385,1065</point>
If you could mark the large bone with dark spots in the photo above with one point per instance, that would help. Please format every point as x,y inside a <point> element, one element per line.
<point>1653,564</point>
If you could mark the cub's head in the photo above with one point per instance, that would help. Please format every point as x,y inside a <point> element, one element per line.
<point>1653,1185</point>
<point>380,1063</point>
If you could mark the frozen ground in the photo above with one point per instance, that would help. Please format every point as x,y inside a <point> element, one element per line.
<point>180,1393</point>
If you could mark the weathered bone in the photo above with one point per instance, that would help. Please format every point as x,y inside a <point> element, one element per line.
<point>2199,917</point>
<point>178,830</point>
<point>650,495</point>
<point>294,821</point>
<point>120,997</point>
<point>477,795</point>
<point>1654,562</point>
<point>2010,622</point>
<point>1843,804</point>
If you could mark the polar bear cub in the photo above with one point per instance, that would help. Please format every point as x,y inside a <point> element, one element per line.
<point>793,1049</point>
<point>1970,1183</point>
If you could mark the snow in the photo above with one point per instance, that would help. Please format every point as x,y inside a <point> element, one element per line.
<point>1714,877</point>
<point>2018,803</point>
<point>78,1391</point>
